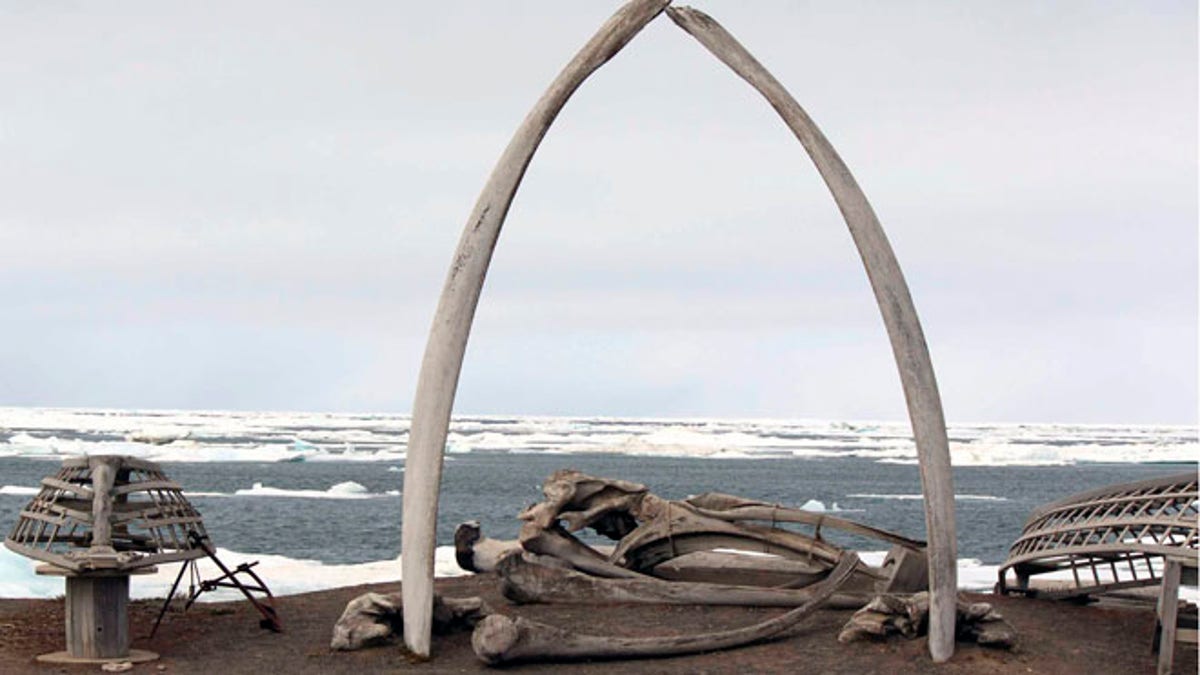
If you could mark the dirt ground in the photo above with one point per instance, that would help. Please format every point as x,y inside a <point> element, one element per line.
<point>225,639</point>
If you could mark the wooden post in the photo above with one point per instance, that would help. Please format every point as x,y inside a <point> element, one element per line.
<point>1168,613</point>
<point>97,616</point>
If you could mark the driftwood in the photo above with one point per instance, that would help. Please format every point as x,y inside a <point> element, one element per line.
<point>527,582</point>
<point>442,363</point>
<point>376,618</point>
<point>895,305</point>
<point>499,639</point>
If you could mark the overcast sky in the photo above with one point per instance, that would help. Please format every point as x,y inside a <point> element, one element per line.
<point>253,205</point>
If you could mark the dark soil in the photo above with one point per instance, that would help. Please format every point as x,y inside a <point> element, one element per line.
<point>225,639</point>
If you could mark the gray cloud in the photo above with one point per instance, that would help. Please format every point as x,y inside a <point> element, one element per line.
<point>252,205</point>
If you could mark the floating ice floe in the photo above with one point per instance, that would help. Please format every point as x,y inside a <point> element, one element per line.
<point>284,576</point>
<point>346,490</point>
<point>18,490</point>
<point>158,435</point>
<point>960,497</point>
<point>202,436</point>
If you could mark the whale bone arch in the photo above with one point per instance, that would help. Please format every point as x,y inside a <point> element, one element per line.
<point>442,362</point>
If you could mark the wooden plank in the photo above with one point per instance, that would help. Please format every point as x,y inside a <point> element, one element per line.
<point>145,485</point>
<point>97,616</point>
<point>1168,610</point>
<point>104,472</point>
<point>66,486</point>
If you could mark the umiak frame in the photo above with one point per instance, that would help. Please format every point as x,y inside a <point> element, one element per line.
<point>442,363</point>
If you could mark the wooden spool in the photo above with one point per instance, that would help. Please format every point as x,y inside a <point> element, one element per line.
<point>97,618</point>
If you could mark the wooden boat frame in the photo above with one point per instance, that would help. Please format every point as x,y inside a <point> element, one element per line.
<point>1109,539</point>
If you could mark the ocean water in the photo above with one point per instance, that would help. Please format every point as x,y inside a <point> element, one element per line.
<point>316,497</point>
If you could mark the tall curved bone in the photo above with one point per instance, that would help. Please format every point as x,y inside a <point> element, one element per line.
<point>500,639</point>
<point>896,306</point>
<point>443,358</point>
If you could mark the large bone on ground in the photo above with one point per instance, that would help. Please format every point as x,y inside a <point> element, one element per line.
<point>739,569</point>
<point>447,342</point>
<point>376,618</point>
<point>556,543</point>
<point>734,508</point>
<point>895,306</point>
<point>477,553</point>
<point>500,639</point>
<point>524,581</point>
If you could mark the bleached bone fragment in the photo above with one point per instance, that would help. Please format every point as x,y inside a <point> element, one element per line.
<point>476,553</point>
<point>376,618</point>
<point>907,615</point>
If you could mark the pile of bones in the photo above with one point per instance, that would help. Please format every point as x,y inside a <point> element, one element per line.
<point>691,552</point>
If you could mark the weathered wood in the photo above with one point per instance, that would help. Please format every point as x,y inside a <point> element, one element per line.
<point>896,307</point>
<point>1167,615</point>
<point>97,619</point>
<point>523,581</point>
<point>103,474</point>
<point>442,363</point>
<point>1104,537</point>
<point>124,521</point>
<point>500,639</point>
